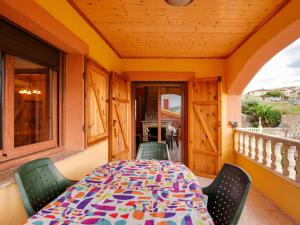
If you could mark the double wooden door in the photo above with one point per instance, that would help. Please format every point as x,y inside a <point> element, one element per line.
<point>119,118</point>
<point>204,109</point>
<point>205,126</point>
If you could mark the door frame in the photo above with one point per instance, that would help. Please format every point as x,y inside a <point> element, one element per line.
<point>184,119</point>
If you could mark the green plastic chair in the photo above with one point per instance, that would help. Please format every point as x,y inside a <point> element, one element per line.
<point>39,183</point>
<point>153,150</point>
<point>227,195</point>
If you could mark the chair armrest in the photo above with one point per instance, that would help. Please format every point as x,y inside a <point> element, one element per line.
<point>205,190</point>
<point>72,182</point>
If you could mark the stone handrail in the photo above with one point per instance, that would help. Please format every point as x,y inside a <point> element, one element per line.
<point>293,132</point>
<point>282,155</point>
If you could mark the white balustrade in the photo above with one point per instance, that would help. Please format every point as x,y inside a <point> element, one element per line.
<point>268,153</point>
<point>292,162</point>
<point>278,157</point>
<point>260,150</point>
<point>252,146</point>
<point>279,154</point>
<point>246,144</point>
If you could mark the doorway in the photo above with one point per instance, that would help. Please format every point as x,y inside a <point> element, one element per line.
<point>160,115</point>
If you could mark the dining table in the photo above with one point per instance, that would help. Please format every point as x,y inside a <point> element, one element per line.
<point>135,192</point>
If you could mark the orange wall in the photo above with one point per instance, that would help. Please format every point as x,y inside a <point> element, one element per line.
<point>278,33</point>
<point>76,38</point>
<point>67,16</point>
<point>200,67</point>
<point>242,66</point>
<point>284,193</point>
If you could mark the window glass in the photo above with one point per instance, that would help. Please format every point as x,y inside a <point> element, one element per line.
<point>33,110</point>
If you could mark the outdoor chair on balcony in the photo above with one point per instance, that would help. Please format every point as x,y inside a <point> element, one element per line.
<point>227,195</point>
<point>153,150</point>
<point>40,182</point>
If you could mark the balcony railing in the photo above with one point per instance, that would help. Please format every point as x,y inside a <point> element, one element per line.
<point>293,132</point>
<point>279,154</point>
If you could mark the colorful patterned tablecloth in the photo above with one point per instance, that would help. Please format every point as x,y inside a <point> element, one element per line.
<point>130,193</point>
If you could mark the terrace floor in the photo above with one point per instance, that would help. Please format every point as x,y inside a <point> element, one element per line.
<point>259,210</point>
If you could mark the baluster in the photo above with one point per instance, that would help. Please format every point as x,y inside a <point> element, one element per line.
<point>292,162</point>
<point>278,157</point>
<point>246,144</point>
<point>252,146</point>
<point>236,141</point>
<point>268,153</point>
<point>241,142</point>
<point>285,161</point>
<point>260,149</point>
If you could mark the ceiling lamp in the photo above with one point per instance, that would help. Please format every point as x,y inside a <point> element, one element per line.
<point>178,2</point>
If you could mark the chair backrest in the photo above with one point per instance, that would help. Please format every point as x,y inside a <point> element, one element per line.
<point>39,183</point>
<point>153,150</point>
<point>227,195</point>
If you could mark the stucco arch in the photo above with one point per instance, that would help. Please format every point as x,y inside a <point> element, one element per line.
<point>277,34</point>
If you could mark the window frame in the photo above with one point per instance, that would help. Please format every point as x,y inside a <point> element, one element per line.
<point>9,151</point>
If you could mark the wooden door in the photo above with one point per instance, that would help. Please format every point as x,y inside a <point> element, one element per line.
<point>119,118</point>
<point>205,126</point>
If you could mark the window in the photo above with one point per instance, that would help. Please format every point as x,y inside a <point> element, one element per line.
<point>29,85</point>
<point>30,93</point>
<point>96,103</point>
<point>33,103</point>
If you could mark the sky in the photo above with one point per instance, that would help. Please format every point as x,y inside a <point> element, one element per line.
<point>282,70</point>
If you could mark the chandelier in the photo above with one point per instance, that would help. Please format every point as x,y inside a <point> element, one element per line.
<point>178,2</point>
<point>29,91</point>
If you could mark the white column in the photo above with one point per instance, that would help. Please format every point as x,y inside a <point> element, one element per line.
<point>269,153</point>
<point>252,147</point>
<point>278,157</point>
<point>292,162</point>
<point>246,144</point>
<point>260,150</point>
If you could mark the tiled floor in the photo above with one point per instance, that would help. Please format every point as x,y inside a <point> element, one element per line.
<point>259,210</point>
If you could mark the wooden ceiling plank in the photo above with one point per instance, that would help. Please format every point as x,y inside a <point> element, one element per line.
<point>214,28</point>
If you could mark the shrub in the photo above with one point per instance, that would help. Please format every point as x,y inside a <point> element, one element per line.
<point>248,106</point>
<point>274,93</point>
<point>270,117</point>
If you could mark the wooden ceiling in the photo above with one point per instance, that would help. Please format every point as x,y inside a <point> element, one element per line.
<point>154,29</point>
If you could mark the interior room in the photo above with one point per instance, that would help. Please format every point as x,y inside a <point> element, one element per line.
<point>161,108</point>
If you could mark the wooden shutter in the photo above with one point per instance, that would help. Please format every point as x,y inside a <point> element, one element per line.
<point>96,103</point>
<point>205,126</point>
<point>119,118</point>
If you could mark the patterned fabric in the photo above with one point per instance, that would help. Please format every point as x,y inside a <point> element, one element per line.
<point>130,193</point>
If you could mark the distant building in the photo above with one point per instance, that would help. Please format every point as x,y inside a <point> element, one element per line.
<point>290,93</point>
<point>257,93</point>
<point>295,94</point>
